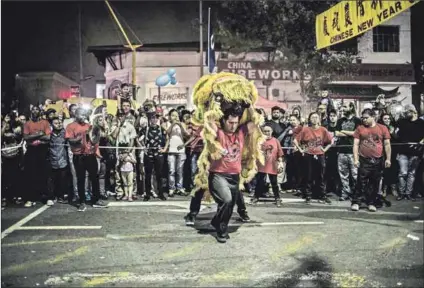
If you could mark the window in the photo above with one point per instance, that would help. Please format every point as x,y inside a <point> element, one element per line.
<point>386,39</point>
<point>349,46</point>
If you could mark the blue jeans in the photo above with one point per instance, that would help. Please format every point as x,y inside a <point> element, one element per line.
<point>176,166</point>
<point>407,167</point>
<point>193,166</point>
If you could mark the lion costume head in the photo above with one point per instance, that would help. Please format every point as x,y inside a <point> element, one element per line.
<point>213,96</point>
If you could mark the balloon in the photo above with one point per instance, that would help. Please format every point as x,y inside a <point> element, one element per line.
<point>171,72</point>
<point>163,80</point>
<point>173,81</point>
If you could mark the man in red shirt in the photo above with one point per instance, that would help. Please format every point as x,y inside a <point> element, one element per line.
<point>37,135</point>
<point>369,140</point>
<point>85,154</point>
<point>224,173</point>
<point>313,142</point>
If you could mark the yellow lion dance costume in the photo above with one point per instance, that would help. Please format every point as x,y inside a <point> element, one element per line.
<point>209,95</point>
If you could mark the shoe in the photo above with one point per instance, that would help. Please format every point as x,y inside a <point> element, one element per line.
<point>130,199</point>
<point>252,194</point>
<point>278,202</point>
<point>244,217</point>
<point>3,202</point>
<point>82,207</point>
<point>61,200</point>
<point>308,200</point>
<point>171,193</point>
<point>146,198</point>
<point>407,197</point>
<point>372,208</point>
<point>162,197</point>
<point>221,239</point>
<point>298,194</point>
<point>325,200</point>
<point>100,204</point>
<point>110,193</point>
<point>103,196</point>
<point>354,207</point>
<point>28,204</point>
<point>182,192</point>
<point>254,201</point>
<point>399,198</point>
<point>50,203</point>
<point>189,220</point>
<point>154,195</point>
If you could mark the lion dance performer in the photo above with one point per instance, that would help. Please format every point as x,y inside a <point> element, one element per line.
<point>232,138</point>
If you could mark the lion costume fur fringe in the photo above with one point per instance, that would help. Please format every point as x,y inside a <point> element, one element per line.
<point>234,88</point>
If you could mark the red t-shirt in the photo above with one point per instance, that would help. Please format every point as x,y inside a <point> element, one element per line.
<point>271,149</point>
<point>32,127</point>
<point>75,130</point>
<point>233,143</point>
<point>197,144</point>
<point>371,140</point>
<point>314,140</point>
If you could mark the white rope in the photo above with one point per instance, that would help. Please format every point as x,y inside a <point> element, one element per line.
<point>156,148</point>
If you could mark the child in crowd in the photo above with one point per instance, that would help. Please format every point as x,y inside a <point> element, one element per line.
<point>126,168</point>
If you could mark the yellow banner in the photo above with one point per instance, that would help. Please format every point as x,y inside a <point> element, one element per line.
<point>348,19</point>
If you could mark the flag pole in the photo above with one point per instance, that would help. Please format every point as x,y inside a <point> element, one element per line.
<point>201,36</point>
<point>209,39</point>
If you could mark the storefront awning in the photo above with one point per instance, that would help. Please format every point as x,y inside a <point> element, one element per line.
<point>268,104</point>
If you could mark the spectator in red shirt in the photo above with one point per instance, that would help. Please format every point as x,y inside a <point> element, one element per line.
<point>273,155</point>
<point>37,135</point>
<point>85,154</point>
<point>313,142</point>
<point>369,139</point>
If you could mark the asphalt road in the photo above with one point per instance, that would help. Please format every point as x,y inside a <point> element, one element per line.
<point>147,244</point>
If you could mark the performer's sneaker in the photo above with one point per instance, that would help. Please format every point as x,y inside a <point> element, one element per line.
<point>244,217</point>
<point>189,220</point>
<point>221,238</point>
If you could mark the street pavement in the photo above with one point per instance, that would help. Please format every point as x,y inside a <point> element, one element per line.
<point>143,244</point>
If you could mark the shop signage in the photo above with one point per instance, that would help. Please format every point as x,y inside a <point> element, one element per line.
<point>348,19</point>
<point>257,70</point>
<point>169,96</point>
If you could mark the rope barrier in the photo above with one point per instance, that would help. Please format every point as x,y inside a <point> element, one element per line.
<point>156,148</point>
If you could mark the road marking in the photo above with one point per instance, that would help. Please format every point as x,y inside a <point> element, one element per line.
<point>58,227</point>
<point>38,263</point>
<point>182,204</point>
<point>263,224</point>
<point>415,238</point>
<point>23,221</point>
<point>419,221</point>
<point>392,244</point>
<point>189,249</point>
<point>99,279</point>
<point>88,239</point>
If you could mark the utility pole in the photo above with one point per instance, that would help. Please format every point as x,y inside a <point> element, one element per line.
<point>131,46</point>
<point>81,72</point>
<point>201,36</point>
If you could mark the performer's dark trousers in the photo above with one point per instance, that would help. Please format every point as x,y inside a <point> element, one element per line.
<point>196,201</point>
<point>368,183</point>
<point>260,185</point>
<point>224,189</point>
<point>150,163</point>
<point>83,164</point>
<point>314,171</point>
